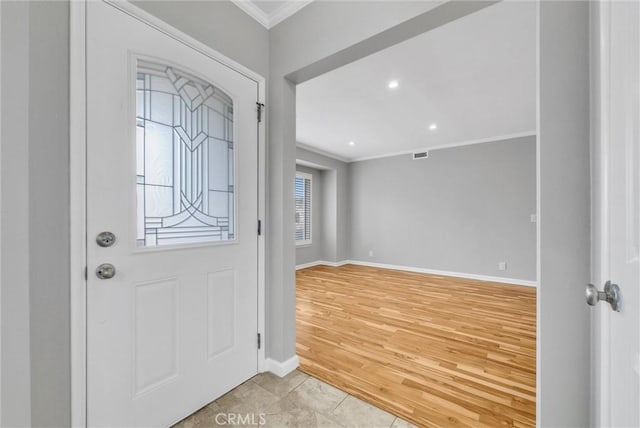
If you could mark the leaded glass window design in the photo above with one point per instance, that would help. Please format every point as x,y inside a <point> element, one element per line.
<point>184,158</point>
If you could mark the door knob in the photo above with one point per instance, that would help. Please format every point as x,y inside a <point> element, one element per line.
<point>106,271</point>
<point>611,294</point>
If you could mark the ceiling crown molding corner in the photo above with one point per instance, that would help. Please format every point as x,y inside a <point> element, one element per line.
<point>286,10</point>
<point>321,152</point>
<point>253,11</point>
<point>269,20</point>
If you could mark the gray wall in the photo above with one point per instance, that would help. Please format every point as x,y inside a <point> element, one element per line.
<point>220,25</point>
<point>314,251</point>
<point>16,365</point>
<point>563,164</point>
<point>463,209</point>
<point>49,212</point>
<point>334,205</point>
<point>319,30</point>
<point>35,221</point>
<point>563,329</point>
<point>35,188</point>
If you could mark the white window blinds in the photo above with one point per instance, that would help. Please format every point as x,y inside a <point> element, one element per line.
<point>303,208</point>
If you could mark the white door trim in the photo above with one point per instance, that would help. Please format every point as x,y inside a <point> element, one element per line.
<point>78,187</point>
<point>604,60</point>
<point>0,226</point>
<point>601,317</point>
<point>538,224</point>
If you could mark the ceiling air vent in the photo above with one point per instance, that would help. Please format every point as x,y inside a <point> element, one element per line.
<point>420,155</point>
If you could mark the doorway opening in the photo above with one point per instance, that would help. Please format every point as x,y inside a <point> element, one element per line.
<point>417,292</point>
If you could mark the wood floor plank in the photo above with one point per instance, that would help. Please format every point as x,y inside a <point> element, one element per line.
<point>434,350</point>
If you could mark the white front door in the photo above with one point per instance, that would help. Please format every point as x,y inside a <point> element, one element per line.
<point>172,156</point>
<point>618,383</point>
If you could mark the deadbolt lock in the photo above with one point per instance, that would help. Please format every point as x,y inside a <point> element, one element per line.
<point>105,239</point>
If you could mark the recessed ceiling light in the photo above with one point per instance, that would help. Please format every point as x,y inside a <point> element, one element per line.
<point>352,143</point>
<point>393,84</point>
<point>433,127</point>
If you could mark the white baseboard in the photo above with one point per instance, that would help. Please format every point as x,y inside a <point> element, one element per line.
<point>308,265</point>
<point>447,273</point>
<point>282,369</point>
<point>488,278</point>
<point>321,263</point>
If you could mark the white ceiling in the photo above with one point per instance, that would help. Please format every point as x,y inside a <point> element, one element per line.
<point>475,78</point>
<point>270,13</point>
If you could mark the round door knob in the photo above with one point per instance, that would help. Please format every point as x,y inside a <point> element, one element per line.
<point>611,295</point>
<point>106,271</point>
<point>592,295</point>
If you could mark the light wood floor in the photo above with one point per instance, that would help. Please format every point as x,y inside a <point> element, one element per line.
<point>434,350</point>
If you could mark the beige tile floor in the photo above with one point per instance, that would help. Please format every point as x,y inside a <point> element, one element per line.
<point>296,400</point>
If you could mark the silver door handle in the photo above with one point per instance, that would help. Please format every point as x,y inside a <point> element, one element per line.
<point>106,271</point>
<point>611,294</point>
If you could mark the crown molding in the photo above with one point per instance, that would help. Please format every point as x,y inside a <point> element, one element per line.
<point>321,152</point>
<point>449,146</point>
<point>495,138</point>
<point>286,10</point>
<point>274,18</point>
<point>253,11</point>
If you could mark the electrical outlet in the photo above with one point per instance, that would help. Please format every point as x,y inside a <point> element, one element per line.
<point>534,218</point>
<point>370,253</point>
<point>502,265</point>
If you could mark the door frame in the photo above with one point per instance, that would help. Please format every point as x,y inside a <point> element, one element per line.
<point>78,187</point>
<point>601,316</point>
<point>1,356</point>
<point>601,320</point>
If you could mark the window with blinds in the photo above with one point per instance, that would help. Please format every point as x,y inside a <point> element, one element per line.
<point>303,208</point>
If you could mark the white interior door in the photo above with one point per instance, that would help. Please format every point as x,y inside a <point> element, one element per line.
<point>172,152</point>
<point>619,360</point>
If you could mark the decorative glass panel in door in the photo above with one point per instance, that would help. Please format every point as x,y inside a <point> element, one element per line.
<point>185,158</point>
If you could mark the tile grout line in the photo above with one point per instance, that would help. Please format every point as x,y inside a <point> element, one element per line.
<point>299,385</point>
<point>341,401</point>
<point>329,414</point>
